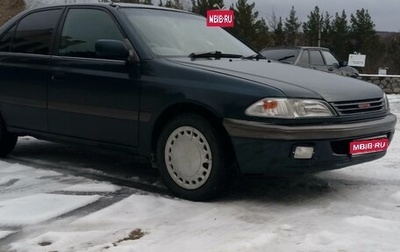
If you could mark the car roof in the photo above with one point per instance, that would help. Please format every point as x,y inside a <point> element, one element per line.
<point>109,5</point>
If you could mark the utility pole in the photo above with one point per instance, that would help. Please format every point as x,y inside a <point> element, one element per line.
<point>320,31</point>
<point>319,36</point>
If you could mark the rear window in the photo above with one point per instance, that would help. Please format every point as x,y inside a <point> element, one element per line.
<point>282,55</point>
<point>35,31</point>
<point>5,41</point>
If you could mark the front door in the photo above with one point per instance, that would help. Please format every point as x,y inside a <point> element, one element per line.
<point>91,98</point>
<point>317,61</point>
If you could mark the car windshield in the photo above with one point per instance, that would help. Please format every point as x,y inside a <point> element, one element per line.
<point>172,33</point>
<point>283,55</point>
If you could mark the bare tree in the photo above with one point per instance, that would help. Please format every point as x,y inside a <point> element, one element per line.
<point>9,8</point>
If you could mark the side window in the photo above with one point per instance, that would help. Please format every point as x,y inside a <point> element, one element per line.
<point>35,31</point>
<point>330,59</point>
<point>316,58</point>
<point>5,41</point>
<point>82,28</point>
<point>304,59</point>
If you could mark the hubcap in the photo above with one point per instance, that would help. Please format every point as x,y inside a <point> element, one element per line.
<point>188,157</point>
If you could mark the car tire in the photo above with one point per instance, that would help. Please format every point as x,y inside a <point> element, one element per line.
<point>191,158</point>
<point>7,140</point>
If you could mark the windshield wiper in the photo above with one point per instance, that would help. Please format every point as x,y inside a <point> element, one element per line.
<point>287,57</point>
<point>254,56</point>
<point>214,54</point>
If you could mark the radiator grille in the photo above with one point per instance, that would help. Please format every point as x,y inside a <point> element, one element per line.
<point>359,107</point>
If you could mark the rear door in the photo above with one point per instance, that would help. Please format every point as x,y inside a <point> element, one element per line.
<point>89,97</point>
<point>24,69</point>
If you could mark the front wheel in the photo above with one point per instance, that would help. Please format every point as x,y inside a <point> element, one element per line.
<point>191,158</point>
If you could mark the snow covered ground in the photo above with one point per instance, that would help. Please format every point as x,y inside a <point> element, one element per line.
<point>45,209</point>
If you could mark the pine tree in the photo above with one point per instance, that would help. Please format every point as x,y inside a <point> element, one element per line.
<point>326,28</point>
<point>201,6</point>
<point>340,35</point>
<point>129,1</point>
<point>292,26</point>
<point>278,37</point>
<point>392,59</point>
<point>362,30</point>
<point>247,26</point>
<point>312,27</point>
<point>279,34</point>
<point>176,4</point>
<point>168,4</point>
<point>149,2</point>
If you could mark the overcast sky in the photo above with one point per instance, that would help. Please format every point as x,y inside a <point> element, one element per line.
<point>384,13</point>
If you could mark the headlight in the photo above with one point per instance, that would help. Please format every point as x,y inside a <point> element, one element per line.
<point>387,105</point>
<point>289,108</point>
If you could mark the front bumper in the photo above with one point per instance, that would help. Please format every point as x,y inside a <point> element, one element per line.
<point>268,148</point>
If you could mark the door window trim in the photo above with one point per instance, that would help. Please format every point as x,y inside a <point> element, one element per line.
<point>61,27</point>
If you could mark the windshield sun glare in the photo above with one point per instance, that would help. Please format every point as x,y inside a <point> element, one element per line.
<point>172,33</point>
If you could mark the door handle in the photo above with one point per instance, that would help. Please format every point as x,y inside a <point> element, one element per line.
<point>57,76</point>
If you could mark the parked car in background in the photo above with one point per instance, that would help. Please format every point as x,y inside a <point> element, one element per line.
<point>194,100</point>
<point>318,58</point>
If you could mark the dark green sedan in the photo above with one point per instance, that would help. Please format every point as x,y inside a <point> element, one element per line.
<point>197,102</point>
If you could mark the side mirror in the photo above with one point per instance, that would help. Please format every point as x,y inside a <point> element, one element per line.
<point>343,63</point>
<point>336,65</point>
<point>111,49</point>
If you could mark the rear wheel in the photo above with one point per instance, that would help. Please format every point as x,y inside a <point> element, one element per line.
<point>7,140</point>
<point>191,158</point>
